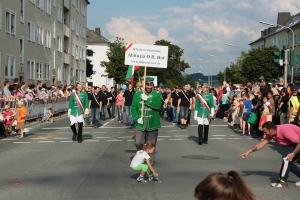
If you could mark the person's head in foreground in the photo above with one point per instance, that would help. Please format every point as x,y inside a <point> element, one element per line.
<point>217,186</point>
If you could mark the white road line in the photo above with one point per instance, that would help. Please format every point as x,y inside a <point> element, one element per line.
<point>116,132</point>
<point>114,140</point>
<point>56,128</point>
<point>234,138</point>
<point>182,135</point>
<point>218,135</point>
<point>232,135</point>
<point>38,138</point>
<point>250,138</point>
<point>45,141</point>
<point>60,138</point>
<point>102,137</point>
<point>22,142</point>
<point>104,124</point>
<point>171,131</point>
<point>43,133</point>
<point>66,141</point>
<point>130,140</point>
<point>167,126</point>
<point>125,137</point>
<point>91,140</point>
<point>217,138</point>
<point>163,136</point>
<point>160,139</point>
<point>100,132</point>
<point>11,139</point>
<point>177,139</point>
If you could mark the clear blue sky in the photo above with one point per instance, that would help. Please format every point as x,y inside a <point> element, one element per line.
<point>199,27</point>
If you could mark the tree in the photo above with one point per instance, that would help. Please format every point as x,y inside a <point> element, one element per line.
<point>115,67</point>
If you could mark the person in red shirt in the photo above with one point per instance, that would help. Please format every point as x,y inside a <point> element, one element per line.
<point>287,135</point>
<point>8,120</point>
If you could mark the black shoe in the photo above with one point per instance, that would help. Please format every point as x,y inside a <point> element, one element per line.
<point>205,142</point>
<point>74,137</point>
<point>80,140</point>
<point>200,142</point>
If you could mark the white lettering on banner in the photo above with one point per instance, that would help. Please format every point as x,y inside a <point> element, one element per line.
<point>146,55</point>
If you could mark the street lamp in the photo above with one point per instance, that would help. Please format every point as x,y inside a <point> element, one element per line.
<point>293,43</point>
<point>234,45</point>
<point>210,55</point>
<point>210,83</point>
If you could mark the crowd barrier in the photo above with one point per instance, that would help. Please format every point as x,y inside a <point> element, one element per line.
<point>37,108</point>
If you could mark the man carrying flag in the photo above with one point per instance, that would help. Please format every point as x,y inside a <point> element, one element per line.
<point>78,106</point>
<point>204,110</point>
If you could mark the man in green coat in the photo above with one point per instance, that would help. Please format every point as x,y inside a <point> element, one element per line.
<point>204,110</point>
<point>78,106</point>
<point>148,124</point>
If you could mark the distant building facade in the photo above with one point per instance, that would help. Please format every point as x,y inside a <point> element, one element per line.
<point>43,40</point>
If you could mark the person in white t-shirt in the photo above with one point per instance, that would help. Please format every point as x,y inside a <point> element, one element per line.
<point>142,156</point>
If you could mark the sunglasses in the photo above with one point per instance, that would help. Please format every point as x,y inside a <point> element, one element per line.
<point>149,84</point>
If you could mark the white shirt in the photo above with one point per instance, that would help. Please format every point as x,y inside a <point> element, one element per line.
<point>139,158</point>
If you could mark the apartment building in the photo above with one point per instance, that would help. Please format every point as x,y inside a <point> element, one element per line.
<point>43,40</point>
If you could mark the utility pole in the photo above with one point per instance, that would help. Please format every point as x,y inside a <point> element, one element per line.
<point>286,63</point>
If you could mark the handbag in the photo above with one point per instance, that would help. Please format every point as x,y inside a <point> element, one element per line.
<point>253,118</point>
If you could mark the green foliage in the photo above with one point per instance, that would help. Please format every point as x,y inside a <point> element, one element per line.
<point>252,65</point>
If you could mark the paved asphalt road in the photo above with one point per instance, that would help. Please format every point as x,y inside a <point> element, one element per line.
<point>46,164</point>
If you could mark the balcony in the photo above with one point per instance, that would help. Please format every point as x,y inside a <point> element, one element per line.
<point>66,31</point>
<point>67,4</point>
<point>66,58</point>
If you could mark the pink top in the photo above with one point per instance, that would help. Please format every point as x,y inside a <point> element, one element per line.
<point>7,116</point>
<point>120,100</point>
<point>287,134</point>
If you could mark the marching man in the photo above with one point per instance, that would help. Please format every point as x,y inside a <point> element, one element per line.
<point>148,124</point>
<point>78,106</point>
<point>204,110</point>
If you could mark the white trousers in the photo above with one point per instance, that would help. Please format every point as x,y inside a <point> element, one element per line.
<point>76,119</point>
<point>203,121</point>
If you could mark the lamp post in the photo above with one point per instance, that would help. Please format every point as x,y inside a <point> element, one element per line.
<point>210,55</point>
<point>234,45</point>
<point>293,43</point>
<point>210,71</point>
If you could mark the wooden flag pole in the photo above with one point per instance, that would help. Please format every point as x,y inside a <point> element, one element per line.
<point>144,86</point>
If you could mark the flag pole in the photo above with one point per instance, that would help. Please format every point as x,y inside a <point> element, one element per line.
<point>144,85</point>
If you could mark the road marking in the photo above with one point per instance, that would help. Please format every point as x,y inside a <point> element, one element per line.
<point>116,132</point>
<point>11,139</point>
<point>125,137</point>
<point>182,135</point>
<point>131,131</point>
<point>100,132</point>
<point>167,126</point>
<point>160,139</point>
<point>114,140</point>
<point>22,142</point>
<point>250,138</point>
<point>91,140</point>
<point>102,137</point>
<point>104,124</point>
<point>217,138</point>
<point>60,138</point>
<point>38,138</point>
<point>66,141</point>
<point>171,131</point>
<point>45,141</point>
<point>163,136</point>
<point>43,133</point>
<point>234,138</point>
<point>56,128</point>
<point>130,140</point>
<point>218,135</point>
<point>177,139</point>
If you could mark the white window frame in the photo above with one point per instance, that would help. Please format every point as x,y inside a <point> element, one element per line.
<point>31,31</point>
<point>59,14</point>
<point>10,69</point>
<point>22,50</point>
<point>48,6</point>
<point>80,30</point>
<point>39,70</point>
<point>40,35</point>
<point>79,52</point>
<point>76,52</point>
<point>10,23</point>
<point>72,24</point>
<point>73,2</point>
<point>77,28</point>
<point>21,13</point>
<point>48,39</point>
<point>59,44</point>
<point>54,27</point>
<point>72,49</point>
<point>54,3</point>
<point>41,4</point>
<point>30,69</point>
<point>84,10</point>
<point>83,31</point>
<point>0,17</point>
<point>59,74</point>
<point>46,71</point>
<point>64,74</point>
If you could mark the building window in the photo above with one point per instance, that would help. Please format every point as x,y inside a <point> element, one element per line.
<point>40,4</point>
<point>59,44</point>
<point>54,3</point>
<point>79,52</point>
<point>40,35</point>
<point>46,72</point>
<point>80,30</point>
<point>59,14</point>
<point>73,2</point>
<point>10,22</point>
<point>295,40</point>
<point>72,49</point>
<point>30,70</point>
<point>83,9</point>
<point>64,74</point>
<point>21,50</point>
<point>39,72</point>
<point>78,5</point>
<point>59,73</point>
<point>76,52</point>
<point>9,70</point>
<point>0,17</point>
<point>298,37</point>
<point>31,31</point>
<point>83,54</point>
<point>77,28</point>
<point>48,7</point>
<point>83,32</point>
<point>22,12</point>
<point>54,27</point>
<point>72,24</point>
<point>48,39</point>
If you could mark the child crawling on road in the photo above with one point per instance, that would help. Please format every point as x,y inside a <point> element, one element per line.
<point>142,156</point>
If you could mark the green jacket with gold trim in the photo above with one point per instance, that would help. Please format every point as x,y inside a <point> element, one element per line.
<point>202,110</point>
<point>73,105</point>
<point>151,119</point>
